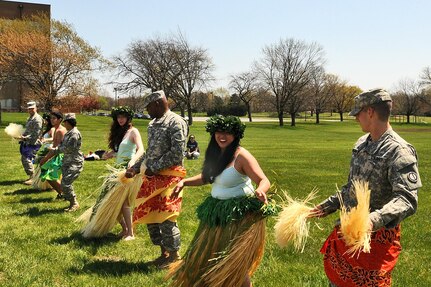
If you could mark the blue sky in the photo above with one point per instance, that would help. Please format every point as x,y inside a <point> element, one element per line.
<point>368,43</point>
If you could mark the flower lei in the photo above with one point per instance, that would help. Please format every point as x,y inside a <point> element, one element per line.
<point>230,124</point>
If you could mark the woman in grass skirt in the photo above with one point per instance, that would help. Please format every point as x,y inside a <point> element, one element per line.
<point>229,243</point>
<point>126,146</point>
<point>51,165</point>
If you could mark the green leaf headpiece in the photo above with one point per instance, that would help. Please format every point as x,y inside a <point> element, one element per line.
<point>124,110</point>
<point>229,124</point>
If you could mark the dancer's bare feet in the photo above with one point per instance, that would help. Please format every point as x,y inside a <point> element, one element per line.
<point>128,238</point>
<point>122,234</point>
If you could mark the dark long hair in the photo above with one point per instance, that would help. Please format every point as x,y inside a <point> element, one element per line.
<point>48,126</point>
<point>216,160</point>
<point>117,133</point>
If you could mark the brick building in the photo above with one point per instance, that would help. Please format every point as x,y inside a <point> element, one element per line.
<point>12,93</point>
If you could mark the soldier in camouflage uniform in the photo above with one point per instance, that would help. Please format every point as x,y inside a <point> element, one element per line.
<point>29,141</point>
<point>167,135</point>
<point>72,161</point>
<point>389,164</point>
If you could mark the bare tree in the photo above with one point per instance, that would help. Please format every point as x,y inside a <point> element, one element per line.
<point>286,69</point>
<point>165,64</point>
<point>145,65</point>
<point>319,98</point>
<point>47,56</point>
<point>426,76</point>
<point>407,98</point>
<point>194,70</point>
<point>245,86</point>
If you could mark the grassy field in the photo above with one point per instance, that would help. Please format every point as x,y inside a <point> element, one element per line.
<point>41,246</point>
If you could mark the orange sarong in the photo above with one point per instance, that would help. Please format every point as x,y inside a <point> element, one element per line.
<point>365,269</point>
<point>153,202</point>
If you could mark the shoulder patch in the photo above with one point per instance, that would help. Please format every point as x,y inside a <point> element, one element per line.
<point>412,177</point>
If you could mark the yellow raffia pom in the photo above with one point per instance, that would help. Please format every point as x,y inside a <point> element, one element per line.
<point>14,130</point>
<point>355,227</point>
<point>292,224</point>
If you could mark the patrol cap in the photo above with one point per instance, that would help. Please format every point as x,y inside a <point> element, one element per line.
<point>154,97</point>
<point>368,98</point>
<point>31,105</point>
<point>69,116</point>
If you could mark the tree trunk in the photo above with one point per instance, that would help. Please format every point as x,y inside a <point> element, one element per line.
<point>408,118</point>
<point>280,118</point>
<point>341,116</point>
<point>292,120</point>
<point>189,113</point>
<point>317,118</point>
<point>249,112</point>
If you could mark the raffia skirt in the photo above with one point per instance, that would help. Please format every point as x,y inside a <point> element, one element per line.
<point>223,252</point>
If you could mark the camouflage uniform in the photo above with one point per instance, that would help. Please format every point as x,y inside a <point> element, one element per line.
<point>72,161</point>
<point>30,144</point>
<point>166,143</point>
<point>390,167</point>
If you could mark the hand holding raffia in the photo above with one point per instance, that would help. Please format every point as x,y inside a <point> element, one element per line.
<point>355,224</point>
<point>14,130</point>
<point>292,225</point>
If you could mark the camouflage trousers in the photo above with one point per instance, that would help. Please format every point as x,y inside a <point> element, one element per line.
<point>70,173</point>
<point>28,153</point>
<point>165,234</point>
<point>28,165</point>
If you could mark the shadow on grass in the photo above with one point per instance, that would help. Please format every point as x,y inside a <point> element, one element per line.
<point>111,267</point>
<point>35,200</point>
<point>26,191</point>
<point>92,243</point>
<point>35,211</point>
<point>10,182</point>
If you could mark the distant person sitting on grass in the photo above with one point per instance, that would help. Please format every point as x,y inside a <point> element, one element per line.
<point>192,151</point>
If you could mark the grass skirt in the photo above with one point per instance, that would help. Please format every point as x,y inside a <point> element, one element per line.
<point>227,246</point>
<point>38,183</point>
<point>104,215</point>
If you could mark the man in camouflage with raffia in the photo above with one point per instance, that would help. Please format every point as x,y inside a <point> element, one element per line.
<point>389,164</point>
<point>29,141</point>
<point>167,135</point>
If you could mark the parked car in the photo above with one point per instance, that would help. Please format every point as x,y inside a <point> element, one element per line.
<point>142,116</point>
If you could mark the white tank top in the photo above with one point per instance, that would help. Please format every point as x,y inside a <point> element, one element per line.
<point>230,183</point>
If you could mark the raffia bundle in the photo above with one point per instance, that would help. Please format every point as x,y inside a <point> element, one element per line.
<point>355,227</point>
<point>108,211</point>
<point>14,130</point>
<point>292,224</point>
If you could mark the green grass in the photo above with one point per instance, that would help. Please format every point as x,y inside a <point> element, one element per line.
<point>41,246</point>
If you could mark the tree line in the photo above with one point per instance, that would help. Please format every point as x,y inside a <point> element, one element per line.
<point>57,69</point>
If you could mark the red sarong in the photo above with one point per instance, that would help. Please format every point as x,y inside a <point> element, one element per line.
<point>365,269</point>
<point>153,201</point>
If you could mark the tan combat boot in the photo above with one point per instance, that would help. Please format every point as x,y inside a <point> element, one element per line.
<point>73,206</point>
